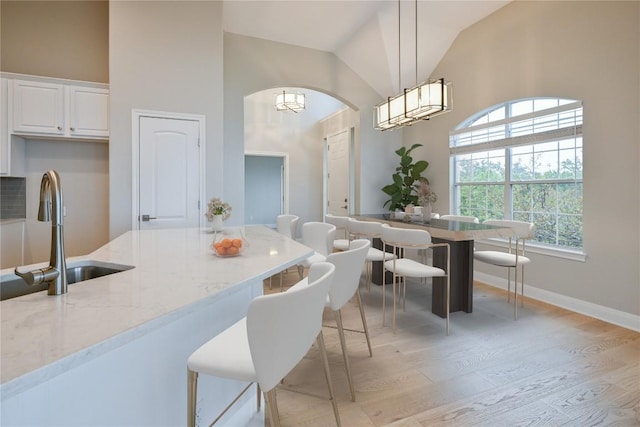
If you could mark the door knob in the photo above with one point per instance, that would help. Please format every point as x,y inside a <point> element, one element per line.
<point>146,218</point>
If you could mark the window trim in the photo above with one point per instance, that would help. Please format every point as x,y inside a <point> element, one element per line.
<point>554,110</point>
<point>506,143</point>
<point>516,141</point>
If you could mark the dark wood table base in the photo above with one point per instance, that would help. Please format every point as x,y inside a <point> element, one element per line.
<point>461,298</point>
<point>461,276</point>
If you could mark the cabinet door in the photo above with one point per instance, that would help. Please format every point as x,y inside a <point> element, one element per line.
<point>4,131</point>
<point>38,108</point>
<point>88,112</point>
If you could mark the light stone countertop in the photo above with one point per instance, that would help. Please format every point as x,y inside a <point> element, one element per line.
<point>175,273</point>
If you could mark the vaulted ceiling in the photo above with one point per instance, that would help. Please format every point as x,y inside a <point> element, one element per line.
<point>364,33</point>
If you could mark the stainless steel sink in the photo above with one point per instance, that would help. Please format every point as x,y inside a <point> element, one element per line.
<point>12,286</point>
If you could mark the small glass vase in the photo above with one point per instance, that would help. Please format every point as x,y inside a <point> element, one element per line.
<point>426,212</point>
<point>216,223</point>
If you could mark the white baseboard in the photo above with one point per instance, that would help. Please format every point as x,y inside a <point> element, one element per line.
<point>616,317</point>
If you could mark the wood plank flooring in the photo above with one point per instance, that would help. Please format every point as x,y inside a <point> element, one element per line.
<point>551,367</point>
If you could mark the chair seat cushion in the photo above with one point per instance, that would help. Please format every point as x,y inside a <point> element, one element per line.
<point>341,244</point>
<point>375,254</point>
<point>501,259</point>
<point>316,257</point>
<point>227,355</point>
<point>410,268</point>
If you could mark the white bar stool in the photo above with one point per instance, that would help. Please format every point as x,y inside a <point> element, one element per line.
<point>268,343</point>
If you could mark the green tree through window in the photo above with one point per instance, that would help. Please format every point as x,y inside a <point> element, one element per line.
<point>523,160</point>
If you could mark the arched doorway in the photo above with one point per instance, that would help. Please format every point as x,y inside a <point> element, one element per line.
<point>301,136</point>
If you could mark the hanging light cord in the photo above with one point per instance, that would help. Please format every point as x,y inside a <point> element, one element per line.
<point>416,42</point>
<point>399,75</point>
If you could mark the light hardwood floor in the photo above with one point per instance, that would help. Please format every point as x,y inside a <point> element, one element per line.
<point>551,367</point>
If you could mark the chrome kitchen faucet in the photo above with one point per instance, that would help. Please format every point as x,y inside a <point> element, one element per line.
<point>51,209</point>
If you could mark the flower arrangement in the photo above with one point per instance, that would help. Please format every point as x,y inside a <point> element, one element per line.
<point>425,195</point>
<point>218,207</point>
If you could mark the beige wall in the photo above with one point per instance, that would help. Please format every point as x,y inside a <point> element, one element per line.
<point>84,176</point>
<point>65,39</point>
<point>582,50</point>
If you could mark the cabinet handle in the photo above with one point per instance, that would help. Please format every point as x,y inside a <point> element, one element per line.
<point>59,127</point>
<point>72,129</point>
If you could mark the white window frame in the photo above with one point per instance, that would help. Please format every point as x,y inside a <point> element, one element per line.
<point>496,135</point>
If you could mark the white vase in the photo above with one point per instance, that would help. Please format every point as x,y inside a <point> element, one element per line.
<point>426,212</point>
<point>216,224</point>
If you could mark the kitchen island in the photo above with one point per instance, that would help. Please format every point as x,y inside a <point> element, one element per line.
<point>113,350</point>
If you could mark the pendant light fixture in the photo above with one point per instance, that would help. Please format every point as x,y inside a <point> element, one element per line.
<point>290,101</point>
<point>423,101</point>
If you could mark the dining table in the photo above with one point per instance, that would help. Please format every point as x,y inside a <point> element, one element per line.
<point>460,236</point>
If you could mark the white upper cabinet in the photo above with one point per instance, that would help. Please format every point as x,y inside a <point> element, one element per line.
<point>38,107</point>
<point>41,109</point>
<point>88,111</point>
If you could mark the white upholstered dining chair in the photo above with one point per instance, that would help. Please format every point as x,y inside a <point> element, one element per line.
<point>263,347</point>
<point>341,241</point>
<point>461,218</point>
<point>345,286</point>
<point>369,230</point>
<point>513,258</point>
<point>288,225</point>
<point>401,239</point>
<point>318,236</point>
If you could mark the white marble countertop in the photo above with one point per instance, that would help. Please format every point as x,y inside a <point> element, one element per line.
<point>175,273</point>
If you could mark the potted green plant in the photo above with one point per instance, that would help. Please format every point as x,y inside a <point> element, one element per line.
<point>405,179</point>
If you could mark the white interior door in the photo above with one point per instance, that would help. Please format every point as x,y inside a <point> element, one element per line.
<point>338,173</point>
<point>169,183</point>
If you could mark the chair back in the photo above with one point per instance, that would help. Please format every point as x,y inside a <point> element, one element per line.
<point>281,327</point>
<point>521,229</point>
<point>349,265</point>
<point>460,218</point>
<point>364,229</point>
<point>341,223</point>
<point>319,236</point>
<point>406,238</point>
<point>287,225</point>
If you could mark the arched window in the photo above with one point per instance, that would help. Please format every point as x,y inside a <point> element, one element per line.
<point>522,160</point>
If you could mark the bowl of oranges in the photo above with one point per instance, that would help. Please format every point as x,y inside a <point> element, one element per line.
<point>228,246</point>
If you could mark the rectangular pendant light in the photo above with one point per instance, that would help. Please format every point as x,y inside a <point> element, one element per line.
<point>426,100</point>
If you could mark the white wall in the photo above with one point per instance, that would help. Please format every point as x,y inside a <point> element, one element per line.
<point>164,56</point>
<point>582,50</point>
<point>252,65</point>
